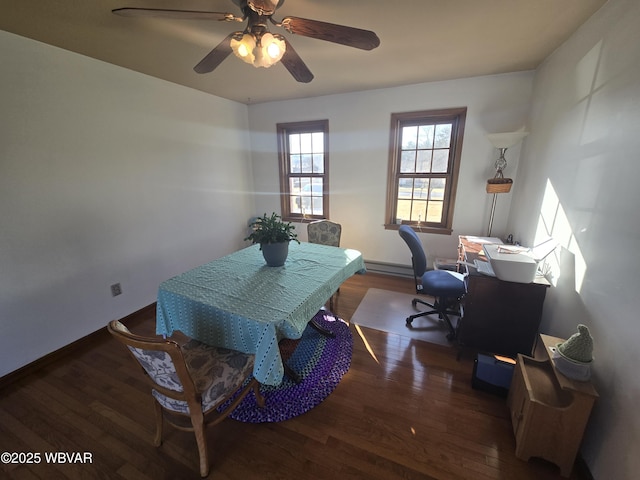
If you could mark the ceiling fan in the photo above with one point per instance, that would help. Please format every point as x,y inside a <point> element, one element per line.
<point>256,44</point>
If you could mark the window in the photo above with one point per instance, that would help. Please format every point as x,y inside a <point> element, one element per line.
<point>423,168</point>
<point>303,149</point>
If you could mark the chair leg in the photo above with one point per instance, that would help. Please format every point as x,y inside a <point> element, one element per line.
<point>331,300</point>
<point>157,441</point>
<point>197,420</point>
<point>452,331</point>
<point>414,303</point>
<point>258,395</point>
<point>440,307</point>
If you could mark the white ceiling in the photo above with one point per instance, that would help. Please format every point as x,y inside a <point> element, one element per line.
<point>420,41</point>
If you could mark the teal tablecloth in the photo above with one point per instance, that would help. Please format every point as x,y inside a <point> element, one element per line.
<point>240,303</point>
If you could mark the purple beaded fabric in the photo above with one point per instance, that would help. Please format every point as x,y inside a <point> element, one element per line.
<point>320,361</point>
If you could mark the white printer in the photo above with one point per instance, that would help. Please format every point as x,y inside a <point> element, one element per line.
<point>517,264</point>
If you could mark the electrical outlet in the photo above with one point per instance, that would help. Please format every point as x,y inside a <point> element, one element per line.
<point>116,289</point>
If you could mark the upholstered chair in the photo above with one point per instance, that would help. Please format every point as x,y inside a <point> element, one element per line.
<point>324,232</point>
<point>190,382</point>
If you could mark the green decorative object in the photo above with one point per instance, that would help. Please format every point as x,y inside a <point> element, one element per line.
<point>274,236</point>
<point>579,346</point>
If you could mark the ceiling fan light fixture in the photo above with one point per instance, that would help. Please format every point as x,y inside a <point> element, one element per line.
<point>259,50</point>
<point>243,47</point>
<point>273,47</point>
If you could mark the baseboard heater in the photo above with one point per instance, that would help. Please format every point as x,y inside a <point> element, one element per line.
<point>389,268</point>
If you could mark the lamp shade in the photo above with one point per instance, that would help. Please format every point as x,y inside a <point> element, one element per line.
<point>269,51</point>
<point>243,47</point>
<point>506,140</point>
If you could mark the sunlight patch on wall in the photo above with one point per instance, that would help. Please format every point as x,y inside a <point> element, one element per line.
<point>580,263</point>
<point>553,222</point>
<point>586,70</point>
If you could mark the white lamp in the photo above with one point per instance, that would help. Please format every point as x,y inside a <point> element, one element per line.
<point>506,140</point>
<point>500,184</point>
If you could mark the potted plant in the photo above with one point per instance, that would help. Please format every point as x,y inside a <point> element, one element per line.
<point>274,236</point>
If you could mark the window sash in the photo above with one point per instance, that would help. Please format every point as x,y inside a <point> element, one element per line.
<point>423,168</point>
<point>304,159</point>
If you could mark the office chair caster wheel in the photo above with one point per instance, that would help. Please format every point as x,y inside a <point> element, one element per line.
<point>414,302</point>
<point>409,322</point>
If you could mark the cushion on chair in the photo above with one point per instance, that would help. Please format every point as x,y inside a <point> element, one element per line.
<point>324,232</point>
<point>443,283</point>
<point>159,367</point>
<point>215,371</point>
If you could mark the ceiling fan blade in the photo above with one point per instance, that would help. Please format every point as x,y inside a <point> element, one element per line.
<point>350,36</point>
<point>297,68</point>
<point>179,14</point>
<point>215,56</point>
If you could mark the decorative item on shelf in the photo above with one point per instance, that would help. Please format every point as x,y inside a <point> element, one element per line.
<point>573,357</point>
<point>500,184</point>
<point>274,236</point>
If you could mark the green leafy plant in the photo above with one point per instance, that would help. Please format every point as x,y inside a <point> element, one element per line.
<point>271,230</point>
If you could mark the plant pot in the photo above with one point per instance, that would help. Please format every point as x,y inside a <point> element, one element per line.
<point>275,254</point>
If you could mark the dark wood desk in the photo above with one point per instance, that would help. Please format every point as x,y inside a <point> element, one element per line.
<point>499,317</point>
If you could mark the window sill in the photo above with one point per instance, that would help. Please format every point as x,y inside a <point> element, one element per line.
<point>420,228</point>
<point>304,219</point>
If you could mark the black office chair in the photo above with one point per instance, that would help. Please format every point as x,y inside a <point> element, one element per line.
<point>445,286</point>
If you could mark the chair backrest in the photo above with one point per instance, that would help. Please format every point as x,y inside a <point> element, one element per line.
<point>162,360</point>
<point>419,258</point>
<point>324,232</point>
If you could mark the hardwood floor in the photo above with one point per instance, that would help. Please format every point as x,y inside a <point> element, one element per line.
<point>405,410</point>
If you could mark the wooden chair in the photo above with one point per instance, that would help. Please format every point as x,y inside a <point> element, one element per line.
<point>190,382</point>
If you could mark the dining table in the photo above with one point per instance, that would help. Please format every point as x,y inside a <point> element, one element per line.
<point>240,303</point>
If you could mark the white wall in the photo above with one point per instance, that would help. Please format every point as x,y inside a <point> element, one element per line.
<point>582,171</point>
<point>106,176</point>
<point>359,126</point>
<point>110,176</point>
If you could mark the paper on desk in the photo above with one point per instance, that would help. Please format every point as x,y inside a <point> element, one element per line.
<point>483,239</point>
<point>513,249</point>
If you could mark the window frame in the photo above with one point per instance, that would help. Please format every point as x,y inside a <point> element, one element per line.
<point>283,132</point>
<point>455,116</point>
